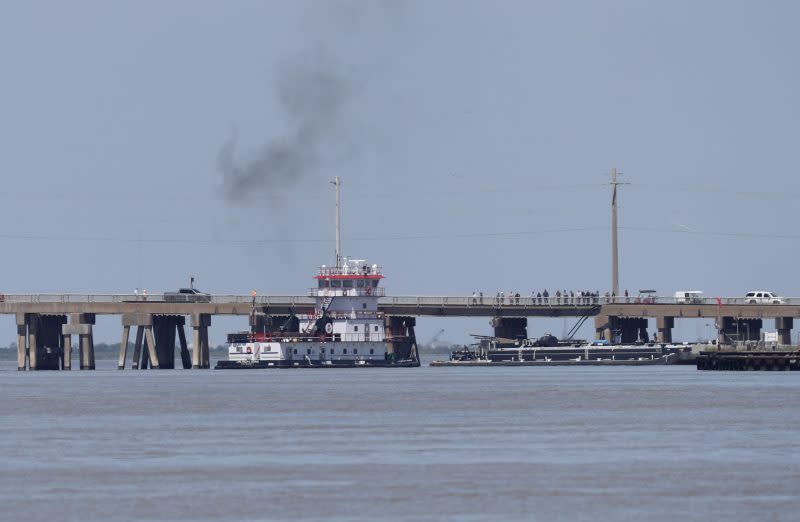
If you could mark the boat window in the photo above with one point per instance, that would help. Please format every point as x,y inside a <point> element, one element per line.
<point>336,283</point>
<point>376,327</point>
<point>295,351</point>
<point>371,351</point>
<point>360,283</point>
<point>355,328</point>
<point>375,283</point>
<point>323,283</point>
<point>308,351</point>
<point>344,351</point>
<point>333,351</point>
<point>347,283</point>
<point>364,305</point>
<point>355,350</point>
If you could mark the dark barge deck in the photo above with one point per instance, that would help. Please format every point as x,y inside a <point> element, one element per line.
<point>749,361</point>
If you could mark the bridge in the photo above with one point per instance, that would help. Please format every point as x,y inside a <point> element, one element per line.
<point>47,322</point>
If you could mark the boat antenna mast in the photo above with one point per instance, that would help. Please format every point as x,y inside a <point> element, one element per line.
<point>337,182</point>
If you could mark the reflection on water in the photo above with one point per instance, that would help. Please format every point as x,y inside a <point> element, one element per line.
<point>654,443</point>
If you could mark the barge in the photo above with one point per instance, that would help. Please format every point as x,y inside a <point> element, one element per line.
<point>549,351</point>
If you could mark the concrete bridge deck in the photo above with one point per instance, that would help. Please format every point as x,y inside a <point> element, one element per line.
<point>453,306</point>
<point>46,322</point>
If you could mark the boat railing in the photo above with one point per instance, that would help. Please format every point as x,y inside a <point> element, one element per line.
<point>366,270</point>
<point>367,291</point>
<point>295,337</point>
<point>357,314</point>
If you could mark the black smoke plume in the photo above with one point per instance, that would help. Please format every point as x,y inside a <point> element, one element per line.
<point>313,92</point>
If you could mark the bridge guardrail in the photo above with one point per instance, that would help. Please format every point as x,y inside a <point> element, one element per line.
<point>466,301</point>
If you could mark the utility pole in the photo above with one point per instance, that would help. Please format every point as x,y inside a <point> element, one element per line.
<point>614,252</point>
<point>338,183</point>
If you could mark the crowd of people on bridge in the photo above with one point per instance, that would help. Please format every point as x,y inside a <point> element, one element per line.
<point>543,297</point>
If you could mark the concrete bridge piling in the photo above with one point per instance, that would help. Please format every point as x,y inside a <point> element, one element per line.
<point>784,327</point>
<point>510,327</point>
<point>397,327</point>
<point>41,344</point>
<point>200,350</point>
<point>154,346</point>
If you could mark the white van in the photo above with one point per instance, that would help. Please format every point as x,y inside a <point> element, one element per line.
<point>689,296</point>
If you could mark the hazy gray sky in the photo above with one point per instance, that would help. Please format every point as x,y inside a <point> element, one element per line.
<point>473,139</point>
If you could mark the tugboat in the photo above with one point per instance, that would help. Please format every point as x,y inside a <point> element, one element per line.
<point>345,329</point>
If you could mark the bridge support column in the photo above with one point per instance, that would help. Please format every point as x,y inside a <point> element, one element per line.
<point>732,329</point>
<point>632,329</point>
<point>165,328</point>
<point>44,341</point>
<point>403,341</point>
<point>726,331</point>
<point>83,331</point>
<point>137,347</point>
<point>67,343</point>
<point>751,329</point>
<point>604,327</point>
<point>259,323</point>
<point>33,346</point>
<point>665,325</point>
<point>206,349</point>
<point>200,350</point>
<point>151,348</point>
<point>784,327</point>
<point>510,327</point>
<point>196,351</point>
<point>81,324</point>
<point>123,346</point>
<point>186,358</point>
<point>22,342</point>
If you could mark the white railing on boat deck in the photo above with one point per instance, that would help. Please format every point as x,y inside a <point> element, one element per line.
<point>364,270</point>
<point>352,292</point>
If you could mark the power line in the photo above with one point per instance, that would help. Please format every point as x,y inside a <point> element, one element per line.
<point>391,237</point>
<point>387,237</point>
<point>752,235</point>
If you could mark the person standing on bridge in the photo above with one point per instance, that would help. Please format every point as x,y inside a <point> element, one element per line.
<point>627,299</point>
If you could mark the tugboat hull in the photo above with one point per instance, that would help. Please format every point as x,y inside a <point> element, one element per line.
<point>263,365</point>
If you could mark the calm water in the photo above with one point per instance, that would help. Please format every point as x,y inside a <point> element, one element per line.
<point>657,443</point>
